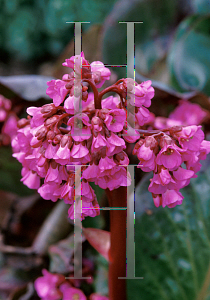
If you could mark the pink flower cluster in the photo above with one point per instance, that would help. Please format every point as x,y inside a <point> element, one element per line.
<point>8,121</point>
<point>174,159</point>
<point>55,287</point>
<point>54,139</point>
<point>185,114</point>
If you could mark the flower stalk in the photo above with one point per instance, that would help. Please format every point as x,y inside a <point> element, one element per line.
<point>117,267</point>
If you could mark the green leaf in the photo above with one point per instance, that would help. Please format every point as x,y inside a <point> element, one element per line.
<point>173,244</point>
<point>189,58</point>
<point>151,37</point>
<point>58,12</point>
<point>201,6</point>
<point>101,278</point>
<point>10,174</point>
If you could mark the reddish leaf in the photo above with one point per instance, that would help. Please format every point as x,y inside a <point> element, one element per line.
<point>99,239</point>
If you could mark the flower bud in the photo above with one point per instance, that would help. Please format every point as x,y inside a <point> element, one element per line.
<point>103,152</point>
<point>41,133</point>
<point>57,139</point>
<point>174,129</point>
<point>22,123</point>
<point>64,140</point>
<point>52,120</point>
<point>50,135</point>
<point>103,113</point>
<point>48,110</point>
<point>151,142</point>
<point>165,140</point>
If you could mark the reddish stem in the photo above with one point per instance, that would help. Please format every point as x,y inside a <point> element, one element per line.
<point>97,102</point>
<point>112,88</point>
<point>156,132</point>
<point>117,266</point>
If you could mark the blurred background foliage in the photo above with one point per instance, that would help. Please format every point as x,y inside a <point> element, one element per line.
<point>172,48</point>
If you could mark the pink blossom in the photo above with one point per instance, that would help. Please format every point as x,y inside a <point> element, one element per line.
<point>161,123</point>
<point>84,209</point>
<point>170,157</point>
<point>47,286</point>
<point>155,186</point>
<point>115,120</point>
<point>99,73</point>
<point>110,102</point>
<point>37,116</point>
<point>57,91</point>
<point>77,63</point>
<point>71,104</point>
<point>204,149</point>
<point>96,124</point>
<point>142,115</point>
<point>141,94</point>
<point>63,153</point>
<point>82,131</point>
<point>115,144</point>
<point>182,177</point>
<point>30,178</point>
<point>53,174</point>
<point>130,135</point>
<point>51,151</point>
<point>98,143</point>
<point>47,190</point>
<point>10,126</point>
<point>171,198</point>
<point>188,113</point>
<point>73,294</point>
<point>3,115</point>
<point>190,137</point>
<point>148,165</point>
<point>144,153</point>
<point>79,151</point>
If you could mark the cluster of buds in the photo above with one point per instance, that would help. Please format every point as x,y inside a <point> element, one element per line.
<point>55,287</point>
<point>174,158</point>
<point>57,137</point>
<point>8,121</point>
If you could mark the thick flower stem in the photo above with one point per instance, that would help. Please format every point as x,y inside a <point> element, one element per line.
<point>117,266</point>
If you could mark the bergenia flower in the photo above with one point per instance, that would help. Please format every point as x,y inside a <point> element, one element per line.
<point>57,136</point>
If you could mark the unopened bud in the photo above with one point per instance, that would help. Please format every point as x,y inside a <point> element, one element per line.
<point>119,156</point>
<point>175,129</point>
<point>107,132</point>
<point>41,133</point>
<point>69,85</point>
<point>50,135</point>
<point>165,140</point>
<point>89,143</point>
<point>54,164</point>
<point>151,142</point>
<point>103,152</point>
<point>64,140</point>
<point>48,110</point>
<point>129,83</point>
<point>52,120</point>
<point>70,142</point>
<point>84,95</point>
<point>103,113</point>
<point>57,139</point>
<point>22,123</point>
